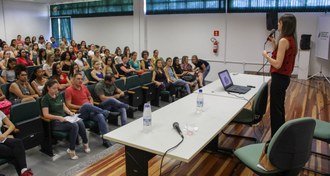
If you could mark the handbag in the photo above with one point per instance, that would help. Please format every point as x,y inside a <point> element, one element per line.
<point>5,106</point>
<point>188,78</point>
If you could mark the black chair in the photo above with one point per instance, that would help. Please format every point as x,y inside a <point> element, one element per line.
<point>89,76</point>
<point>251,116</point>
<point>5,89</point>
<point>26,118</point>
<point>30,70</point>
<point>322,133</point>
<point>288,150</point>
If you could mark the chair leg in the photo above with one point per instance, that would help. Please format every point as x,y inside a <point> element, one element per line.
<point>314,170</point>
<point>231,150</point>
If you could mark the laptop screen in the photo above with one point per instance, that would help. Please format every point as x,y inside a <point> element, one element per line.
<point>225,79</point>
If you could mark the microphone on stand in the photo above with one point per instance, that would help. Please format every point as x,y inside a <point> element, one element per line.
<point>177,128</point>
<point>272,32</point>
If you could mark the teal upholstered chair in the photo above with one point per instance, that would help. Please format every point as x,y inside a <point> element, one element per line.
<point>288,150</point>
<point>250,116</point>
<point>322,133</point>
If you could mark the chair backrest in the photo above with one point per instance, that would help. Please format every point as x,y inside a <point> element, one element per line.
<point>290,147</point>
<point>24,111</point>
<point>132,82</point>
<point>88,74</point>
<point>260,103</point>
<point>120,83</point>
<point>91,89</point>
<point>5,89</point>
<point>145,78</point>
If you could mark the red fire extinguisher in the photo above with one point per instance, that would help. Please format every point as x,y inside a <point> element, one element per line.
<point>215,45</point>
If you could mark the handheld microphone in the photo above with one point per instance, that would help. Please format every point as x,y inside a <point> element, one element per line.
<point>272,32</point>
<point>177,128</point>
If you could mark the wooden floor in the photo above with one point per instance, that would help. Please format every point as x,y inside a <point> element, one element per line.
<point>304,99</point>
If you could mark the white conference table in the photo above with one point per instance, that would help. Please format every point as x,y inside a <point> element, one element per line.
<point>140,147</point>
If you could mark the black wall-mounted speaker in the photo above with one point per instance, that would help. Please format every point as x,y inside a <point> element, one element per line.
<point>271,20</point>
<point>305,42</point>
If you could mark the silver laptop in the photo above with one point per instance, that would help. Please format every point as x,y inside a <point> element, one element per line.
<point>228,84</point>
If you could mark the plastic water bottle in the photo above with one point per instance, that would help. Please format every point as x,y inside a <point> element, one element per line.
<point>200,101</point>
<point>147,117</point>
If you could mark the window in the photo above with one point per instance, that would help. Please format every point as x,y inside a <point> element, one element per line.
<point>61,27</point>
<point>184,6</point>
<point>94,8</point>
<point>278,5</point>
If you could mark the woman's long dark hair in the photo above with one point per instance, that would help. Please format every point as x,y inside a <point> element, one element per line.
<point>54,71</point>
<point>174,62</point>
<point>289,25</point>
<point>48,84</point>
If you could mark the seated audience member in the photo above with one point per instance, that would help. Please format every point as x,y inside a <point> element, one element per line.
<point>38,80</point>
<point>108,93</point>
<point>54,44</point>
<point>61,77</point>
<point>34,53</point>
<point>42,42</point>
<point>75,69</point>
<point>155,57</point>
<point>173,78</point>
<point>4,60</point>
<point>66,61</point>
<point>161,80</point>
<point>117,58</point>
<point>65,41</point>
<point>125,68</point>
<point>23,59</point>
<point>57,55</point>
<point>71,51</point>
<point>97,56</point>
<point>146,64</point>
<point>42,56</point>
<point>6,47</point>
<point>184,75</point>
<point>110,68</point>
<point>81,61</point>
<point>21,90</point>
<point>62,47</point>
<point>201,66</point>
<point>49,48</point>
<point>54,108</point>
<point>75,46</point>
<point>8,74</point>
<point>78,97</point>
<point>13,148</point>
<point>185,66</point>
<point>97,72</point>
<point>91,51</point>
<point>47,67</point>
<point>134,63</point>
<point>127,51</point>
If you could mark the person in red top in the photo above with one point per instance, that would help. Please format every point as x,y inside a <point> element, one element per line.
<point>282,63</point>
<point>23,58</point>
<point>79,98</point>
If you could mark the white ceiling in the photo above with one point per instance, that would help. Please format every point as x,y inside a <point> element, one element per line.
<point>53,1</point>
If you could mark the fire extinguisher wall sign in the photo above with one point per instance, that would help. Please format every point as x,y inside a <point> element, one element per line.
<point>215,45</point>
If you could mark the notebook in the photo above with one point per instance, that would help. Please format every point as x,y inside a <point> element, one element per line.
<point>228,84</point>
